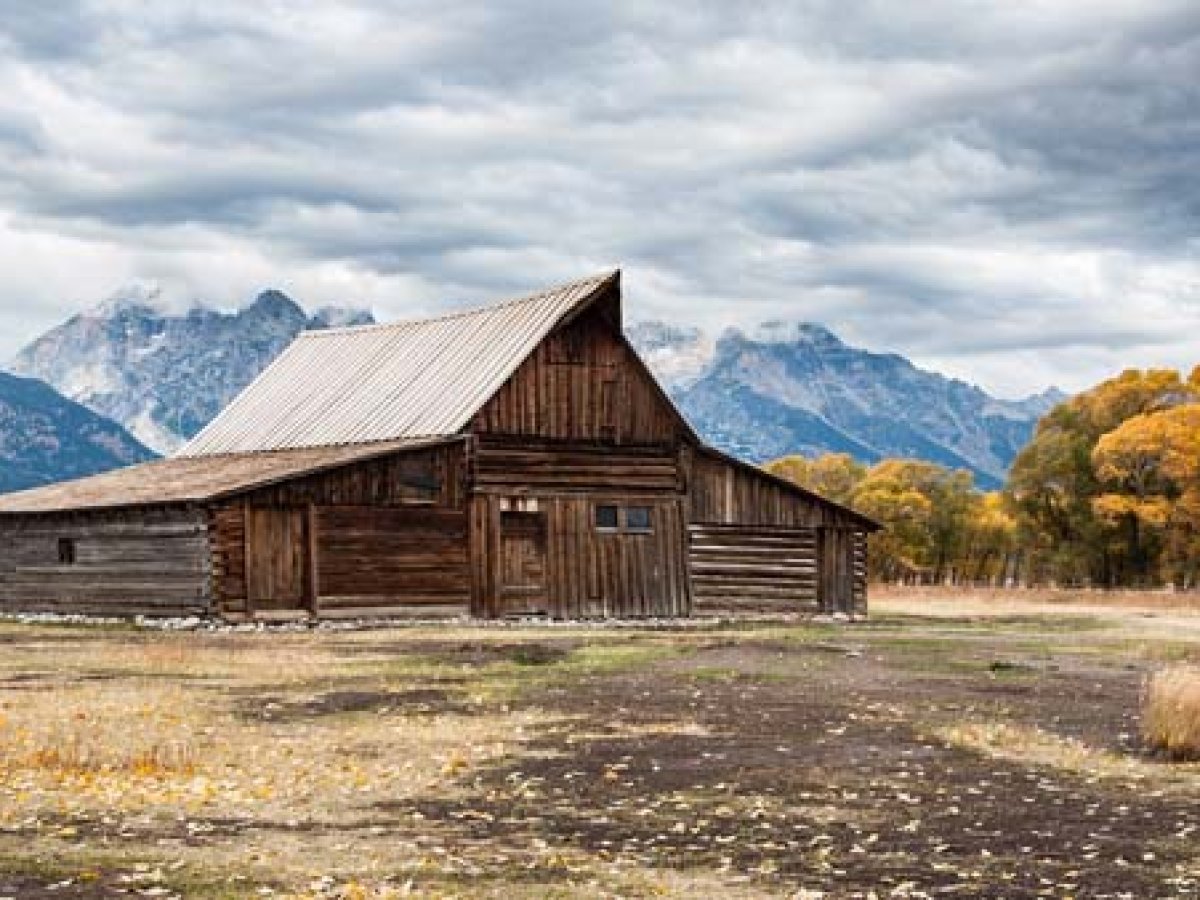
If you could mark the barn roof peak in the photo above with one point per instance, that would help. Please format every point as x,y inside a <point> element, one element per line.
<point>587,285</point>
<point>399,380</point>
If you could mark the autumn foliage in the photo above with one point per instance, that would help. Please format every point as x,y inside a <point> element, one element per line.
<point>938,527</point>
<point>1107,494</point>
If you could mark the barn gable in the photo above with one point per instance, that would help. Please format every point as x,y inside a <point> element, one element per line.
<point>403,380</point>
<point>584,382</point>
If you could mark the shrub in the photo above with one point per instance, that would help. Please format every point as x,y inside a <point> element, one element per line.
<point>1171,716</point>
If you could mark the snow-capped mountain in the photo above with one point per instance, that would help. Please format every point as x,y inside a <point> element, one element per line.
<point>795,387</point>
<point>678,355</point>
<point>776,388</point>
<point>164,372</point>
<point>45,437</point>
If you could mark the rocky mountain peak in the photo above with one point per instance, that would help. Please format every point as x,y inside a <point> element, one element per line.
<point>780,387</point>
<point>341,317</point>
<point>276,304</point>
<point>136,297</point>
<point>161,372</point>
<point>791,334</point>
<point>678,354</point>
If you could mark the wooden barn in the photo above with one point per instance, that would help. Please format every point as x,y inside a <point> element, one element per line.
<point>517,459</point>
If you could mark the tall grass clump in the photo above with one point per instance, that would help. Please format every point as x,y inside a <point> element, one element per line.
<point>1171,715</point>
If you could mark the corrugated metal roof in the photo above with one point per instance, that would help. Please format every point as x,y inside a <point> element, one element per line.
<point>381,382</point>
<point>195,479</point>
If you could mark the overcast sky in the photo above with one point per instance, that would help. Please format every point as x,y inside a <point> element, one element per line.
<point>1006,191</point>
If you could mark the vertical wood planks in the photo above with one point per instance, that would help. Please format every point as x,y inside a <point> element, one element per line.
<point>559,391</point>
<point>312,585</point>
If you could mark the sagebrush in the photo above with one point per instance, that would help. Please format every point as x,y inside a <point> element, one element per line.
<point>1171,719</point>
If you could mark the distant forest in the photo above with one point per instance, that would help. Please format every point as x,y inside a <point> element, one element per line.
<point>1106,494</point>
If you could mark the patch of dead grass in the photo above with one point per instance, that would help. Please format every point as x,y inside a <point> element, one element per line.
<point>1000,599</point>
<point>1171,714</point>
<point>1034,746</point>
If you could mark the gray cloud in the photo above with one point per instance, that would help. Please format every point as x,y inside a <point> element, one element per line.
<point>1007,190</point>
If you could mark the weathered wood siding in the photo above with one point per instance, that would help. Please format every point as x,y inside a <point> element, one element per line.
<point>757,543</point>
<point>582,383</point>
<point>141,561</point>
<point>381,537</point>
<point>508,466</point>
<point>432,475</point>
<point>836,577</point>
<point>277,551</point>
<point>589,572</point>
<point>371,561</point>
<point>760,567</point>
<point>737,494</point>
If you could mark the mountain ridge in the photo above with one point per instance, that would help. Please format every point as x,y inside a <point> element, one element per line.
<point>44,437</point>
<point>163,372</point>
<point>760,390</point>
<point>782,387</point>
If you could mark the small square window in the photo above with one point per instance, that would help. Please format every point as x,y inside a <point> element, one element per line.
<point>637,518</point>
<point>66,551</point>
<point>606,518</point>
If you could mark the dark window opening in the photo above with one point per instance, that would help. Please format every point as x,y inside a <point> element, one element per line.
<point>606,518</point>
<point>629,519</point>
<point>637,518</point>
<point>66,551</point>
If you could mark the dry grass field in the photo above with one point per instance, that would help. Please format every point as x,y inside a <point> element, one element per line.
<point>954,745</point>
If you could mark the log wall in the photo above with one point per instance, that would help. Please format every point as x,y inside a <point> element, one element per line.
<point>768,568</point>
<point>142,561</point>
<point>860,573</point>
<point>807,554</point>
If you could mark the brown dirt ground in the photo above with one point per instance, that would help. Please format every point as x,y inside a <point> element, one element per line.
<point>771,759</point>
<point>845,794</point>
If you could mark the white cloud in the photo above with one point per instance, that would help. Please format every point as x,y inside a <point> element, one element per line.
<point>1003,189</point>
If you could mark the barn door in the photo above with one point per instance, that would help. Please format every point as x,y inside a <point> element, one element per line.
<point>835,557</point>
<point>523,563</point>
<point>276,545</point>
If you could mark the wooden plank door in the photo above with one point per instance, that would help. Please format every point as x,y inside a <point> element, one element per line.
<point>523,563</point>
<point>276,558</point>
<point>836,561</point>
